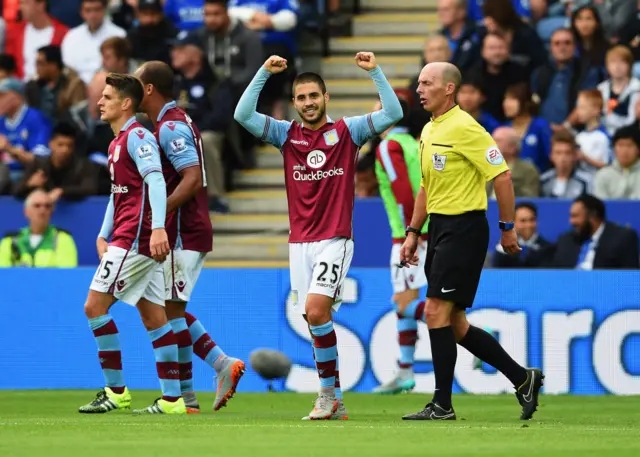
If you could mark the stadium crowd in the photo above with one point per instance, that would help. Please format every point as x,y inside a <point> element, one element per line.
<point>555,82</point>
<point>56,53</point>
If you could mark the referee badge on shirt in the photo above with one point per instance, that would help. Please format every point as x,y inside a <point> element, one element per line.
<point>439,161</point>
<point>331,137</point>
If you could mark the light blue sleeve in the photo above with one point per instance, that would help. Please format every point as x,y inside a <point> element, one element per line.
<point>264,127</point>
<point>157,199</point>
<point>143,149</point>
<point>363,128</point>
<point>179,146</point>
<point>107,222</point>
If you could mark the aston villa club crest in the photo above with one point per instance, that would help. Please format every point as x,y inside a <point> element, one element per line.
<point>439,161</point>
<point>116,153</point>
<point>331,137</point>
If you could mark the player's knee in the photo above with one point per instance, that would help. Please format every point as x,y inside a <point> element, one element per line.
<point>175,310</point>
<point>318,310</point>
<point>436,313</point>
<point>459,324</point>
<point>153,316</point>
<point>96,305</point>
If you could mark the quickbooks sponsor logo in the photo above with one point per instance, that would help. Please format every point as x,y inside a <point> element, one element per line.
<point>118,189</point>
<point>317,175</point>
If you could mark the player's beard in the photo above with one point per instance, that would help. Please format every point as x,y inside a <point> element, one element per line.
<point>318,115</point>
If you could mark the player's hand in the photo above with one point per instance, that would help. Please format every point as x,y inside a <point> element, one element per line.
<point>408,255</point>
<point>275,65</point>
<point>4,143</point>
<point>366,60</point>
<point>159,244</point>
<point>101,246</point>
<point>509,242</point>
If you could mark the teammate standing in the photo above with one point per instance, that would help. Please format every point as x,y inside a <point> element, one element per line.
<point>130,268</point>
<point>457,158</point>
<point>398,172</point>
<point>189,228</point>
<point>320,158</point>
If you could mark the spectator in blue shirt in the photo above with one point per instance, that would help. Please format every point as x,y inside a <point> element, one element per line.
<point>525,47</point>
<point>521,7</point>
<point>461,33</point>
<point>24,131</point>
<point>470,98</point>
<point>534,132</point>
<point>276,20</point>
<point>185,14</point>
<point>556,84</point>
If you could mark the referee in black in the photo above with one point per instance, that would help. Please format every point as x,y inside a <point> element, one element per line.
<point>458,157</point>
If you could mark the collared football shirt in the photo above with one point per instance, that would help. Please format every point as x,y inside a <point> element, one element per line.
<point>457,158</point>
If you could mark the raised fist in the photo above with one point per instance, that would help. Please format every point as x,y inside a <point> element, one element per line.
<point>275,64</point>
<point>366,60</point>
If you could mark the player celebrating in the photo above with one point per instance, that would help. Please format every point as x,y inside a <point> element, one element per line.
<point>190,231</point>
<point>130,268</point>
<point>398,173</point>
<point>320,158</point>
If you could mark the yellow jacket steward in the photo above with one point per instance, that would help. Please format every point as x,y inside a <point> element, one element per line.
<point>56,248</point>
<point>457,158</point>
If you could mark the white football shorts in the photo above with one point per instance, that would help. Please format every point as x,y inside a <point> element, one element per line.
<point>319,267</point>
<point>181,271</point>
<point>129,276</point>
<point>410,278</point>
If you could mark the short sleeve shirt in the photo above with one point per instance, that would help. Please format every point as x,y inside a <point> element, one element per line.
<point>457,158</point>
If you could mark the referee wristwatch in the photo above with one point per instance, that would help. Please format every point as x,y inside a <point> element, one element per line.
<point>506,226</point>
<point>410,229</point>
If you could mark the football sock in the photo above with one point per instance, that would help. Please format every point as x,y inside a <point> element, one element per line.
<point>106,335</point>
<point>326,354</point>
<point>414,310</point>
<point>407,337</point>
<point>443,353</point>
<point>185,351</point>
<point>485,347</point>
<point>337,385</point>
<point>203,346</point>
<point>165,348</point>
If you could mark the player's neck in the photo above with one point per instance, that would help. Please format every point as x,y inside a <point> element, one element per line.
<point>155,108</point>
<point>117,125</point>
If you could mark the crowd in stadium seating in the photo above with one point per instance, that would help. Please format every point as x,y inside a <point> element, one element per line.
<point>57,52</point>
<point>563,76</point>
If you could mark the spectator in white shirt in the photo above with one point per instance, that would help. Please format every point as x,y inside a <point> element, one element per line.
<point>565,180</point>
<point>81,46</point>
<point>594,144</point>
<point>621,180</point>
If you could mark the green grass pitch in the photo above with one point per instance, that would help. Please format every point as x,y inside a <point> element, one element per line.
<point>45,423</point>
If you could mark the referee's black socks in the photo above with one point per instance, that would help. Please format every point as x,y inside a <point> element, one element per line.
<point>443,353</point>
<point>488,349</point>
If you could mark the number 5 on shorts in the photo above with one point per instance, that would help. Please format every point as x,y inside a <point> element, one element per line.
<point>335,272</point>
<point>105,267</point>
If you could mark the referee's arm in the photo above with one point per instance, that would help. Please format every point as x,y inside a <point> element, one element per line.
<point>419,209</point>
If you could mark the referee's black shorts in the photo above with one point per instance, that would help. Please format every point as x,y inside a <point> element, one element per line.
<point>455,255</point>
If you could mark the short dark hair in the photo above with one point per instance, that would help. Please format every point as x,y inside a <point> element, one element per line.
<point>160,75</point>
<point>562,136</point>
<point>127,86</point>
<point>528,205</point>
<point>630,132</point>
<point>7,63</point>
<point>522,93</point>
<point>595,206</point>
<point>310,77</point>
<point>104,3</point>
<point>120,46</point>
<point>503,13</point>
<point>52,54</point>
<point>64,129</point>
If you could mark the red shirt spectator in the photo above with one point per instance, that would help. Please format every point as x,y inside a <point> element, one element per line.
<point>37,29</point>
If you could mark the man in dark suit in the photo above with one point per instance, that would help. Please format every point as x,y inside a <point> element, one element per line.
<point>536,251</point>
<point>595,243</point>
